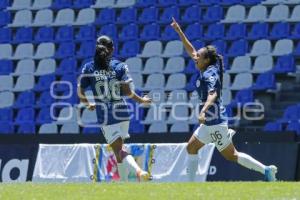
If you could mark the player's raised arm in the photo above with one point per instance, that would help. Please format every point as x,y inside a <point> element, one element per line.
<point>186,43</point>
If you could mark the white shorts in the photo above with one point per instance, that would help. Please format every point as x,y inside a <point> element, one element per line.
<point>115,131</point>
<point>218,134</point>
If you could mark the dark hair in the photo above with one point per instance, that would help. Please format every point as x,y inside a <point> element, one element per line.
<point>104,48</point>
<point>214,57</point>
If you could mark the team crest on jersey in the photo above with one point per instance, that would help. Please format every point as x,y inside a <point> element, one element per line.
<point>198,83</point>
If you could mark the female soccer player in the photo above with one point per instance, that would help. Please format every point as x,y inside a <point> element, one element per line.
<point>213,126</point>
<point>109,79</point>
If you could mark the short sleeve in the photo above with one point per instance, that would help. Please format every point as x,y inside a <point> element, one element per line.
<point>125,76</point>
<point>84,80</point>
<point>211,80</point>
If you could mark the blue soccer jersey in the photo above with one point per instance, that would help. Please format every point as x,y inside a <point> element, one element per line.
<point>111,108</point>
<point>209,81</point>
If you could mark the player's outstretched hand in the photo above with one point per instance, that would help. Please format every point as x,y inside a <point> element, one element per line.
<point>91,107</point>
<point>146,100</point>
<point>175,25</point>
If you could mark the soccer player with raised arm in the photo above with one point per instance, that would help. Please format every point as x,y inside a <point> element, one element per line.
<point>213,126</point>
<point>108,78</point>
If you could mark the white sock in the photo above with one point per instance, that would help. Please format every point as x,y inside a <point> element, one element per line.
<point>250,163</point>
<point>192,166</point>
<point>130,163</point>
<point>122,172</point>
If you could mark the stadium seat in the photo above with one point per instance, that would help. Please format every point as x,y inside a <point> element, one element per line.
<point>20,5</point>
<point>180,127</point>
<point>103,4</point>
<point>110,30</point>
<point>173,48</point>
<point>272,2</point>
<point>6,128</point>
<point>155,81</point>
<point>242,81</point>
<point>295,33</point>
<point>124,3</point>
<point>174,65</point>
<point>25,115</point>
<point>79,4</point>
<point>43,18</point>
<point>291,113</point>
<point>294,126</point>
<point>61,4</point>
<point>295,16</point>
<point>150,32</point>
<point>106,16</point>
<point>240,64</point>
<point>26,128</point>
<point>273,127</point>
<point>45,66</point>
<point>258,31</point>
<point>194,98</point>
<point>168,34</point>
<point>130,49</point>
<point>88,117</point>
<point>154,65</point>
<point>221,46</point>
<point>194,31</point>
<point>129,32</point>
<point>22,18</point>
<point>25,99</point>
<point>44,82</point>
<point>64,17</point>
<point>6,67</point>
<point>135,64</point>
<point>226,97</point>
<point>186,3</point>
<point>4,4</point>
<point>191,85</point>
<point>283,47</point>
<point>279,13</point>
<point>280,30</point>
<point>243,96</point>
<point>148,15</point>
<point>65,50</point>
<point>261,47</point>
<point>237,48</point>
<point>24,82</point>
<point>214,31</point>
<point>64,34</point>
<point>226,80</point>
<point>44,50</point>
<point>176,81</point>
<point>236,31</point>
<point>229,2</point>
<point>213,14</point>
<point>166,3</point>
<point>6,83</point>
<point>86,50</point>
<point>127,15</point>
<point>71,78</point>
<point>235,14</point>
<point>45,99</point>
<point>25,66</point>
<point>285,64</point>
<point>6,99</point>
<point>191,14</point>
<point>67,115</point>
<point>69,128</point>
<point>137,80</point>
<point>177,96</point>
<point>190,68</point>
<point>167,14</point>
<point>91,130</point>
<point>41,4</point>
<point>44,116</point>
<point>262,64</point>
<point>85,16</point>
<point>145,3</point>
<point>5,35</point>
<point>67,66</point>
<point>23,35</point>
<point>86,33</point>
<point>157,96</point>
<point>5,18</point>
<point>44,34</point>
<point>6,115</point>
<point>24,50</point>
<point>296,51</point>
<point>48,129</point>
<point>257,13</point>
<point>265,81</point>
<point>158,127</point>
<point>136,126</point>
<point>178,113</point>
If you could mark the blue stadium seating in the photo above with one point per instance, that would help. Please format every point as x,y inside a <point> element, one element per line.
<point>209,2</point>
<point>25,115</point>
<point>65,49</point>
<point>168,13</point>
<point>190,68</point>
<point>45,99</point>
<point>6,128</point>
<point>129,32</point>
<point>280,30</point>
<point>6,67</point>
<point>5,18</point>
<point>71,100</point>
<point>130,48</point>
<point>87,50</point>
<point>4,4</point>
<point>213,14</point>
<point>194,31</point>
<point>187,2</point>
<point>251,2</point>
<point>72,78</point>
<point>166,3</point>
<point>145,3</point>
<point>23,35</point>
<point>44,116</point>
<point>242,97</point>
<point>296,51</point>
<point>291,113</point>
<point>26,128</point>
<point>5,35</point>
<point>295,33</point>
<point>44,34</point>
<point>86,33</point>
<point>79,4</point>
<point>136,127</point>
<point>150,32</point>
<point>229,2</point>
<point>265,81</point>
<point>273,127</point>
<point>148,15</point>
<point>221,46</point>
<point>294,126</point>
<point>64,34</point>
<point>285,64</point>
<point>191,85</point>
<point>67,66</point>
<point>110,30</point>
<point>258,31</point>
<point>44,82</point>
<point>169,34</point>
<point>215,31</point>
<point>127,15</point>
<point>236,31</point>
<point>91,130</point>
<point>6,115</point>
<point>25,99</point>
<point>191,14</point>
<point>60,4</point>
<point>238,48</point>
<point>106,16</point>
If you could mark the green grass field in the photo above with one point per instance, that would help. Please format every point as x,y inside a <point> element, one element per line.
<point>153,191</point>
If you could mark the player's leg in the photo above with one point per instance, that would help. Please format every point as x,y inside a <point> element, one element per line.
<point>231,154</point>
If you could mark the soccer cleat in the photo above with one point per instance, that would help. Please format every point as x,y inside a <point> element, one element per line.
<point>143,176</point>
<point>270,173</point>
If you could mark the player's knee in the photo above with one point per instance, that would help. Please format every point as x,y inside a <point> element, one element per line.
<point>191,149</point>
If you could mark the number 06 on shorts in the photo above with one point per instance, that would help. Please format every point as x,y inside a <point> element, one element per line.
<point>217,134</point>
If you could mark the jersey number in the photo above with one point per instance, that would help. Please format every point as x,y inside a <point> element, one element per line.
<point>108,90</point>
<point>216,138</point>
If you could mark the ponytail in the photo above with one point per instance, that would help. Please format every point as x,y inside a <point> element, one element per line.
<point>221,63</point>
